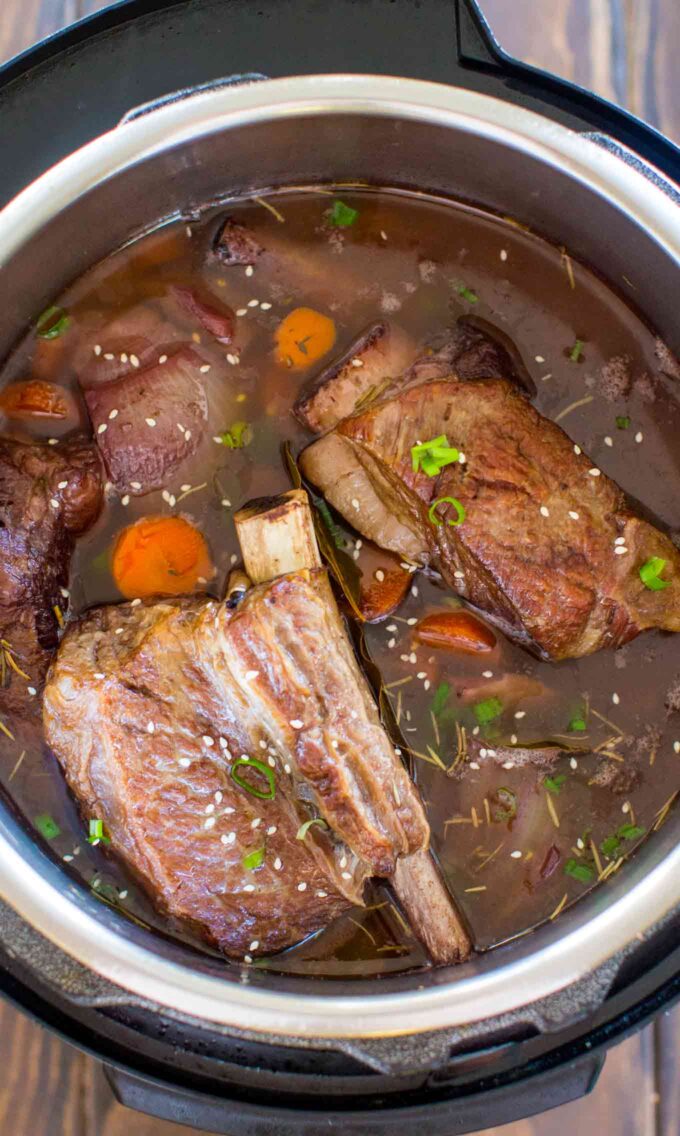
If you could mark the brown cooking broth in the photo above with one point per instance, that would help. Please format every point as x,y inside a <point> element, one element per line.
<point>421,263</point>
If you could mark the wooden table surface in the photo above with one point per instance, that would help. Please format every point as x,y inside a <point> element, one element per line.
<point>626,50</point>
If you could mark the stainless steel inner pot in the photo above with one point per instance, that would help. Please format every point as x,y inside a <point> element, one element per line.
<point>604,206</point>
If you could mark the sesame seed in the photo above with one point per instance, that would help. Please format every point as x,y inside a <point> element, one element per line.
<point>256,822</point>
<point>638,436</point>
<point>265,307</point>
<point>573,514</point>
<point>302,886</point>
<point>277,864</point>
<point>185,762</point>
<point>226,503</point>
<point>64,593</point>
<point>209,823</point>
<point>242,312</point>
<point>504,254</point>
<point>355,503</point>
<point>411,622</point>
<point>134,360</point>
<point>223,743</point>
<point>580,844</point>
<point>594,472</point>
<point>32,691</point>
<point>67,858</point>
<point>544,511</point>
<point>383,235</point>
<point>52,441</point>
<point>461,458</point>
<point>101,429</point>
<point>250,675</point>
<point>615,699</point>
<point>254,945</point>
<point>343,862</point>
<point>207,740</point>
<point>426,684</point>
<point>620,551</point>
<point>516,855</point>
<point>150,421</point>
<point>508,765</point>
<point>62,485</point>
<point>322,894</point>
<point>166,496</point>
<point>577,449</point>
<point>218,797</point>
<point>487,674</point>
<point>228,838</point>
<point>357,362</point>
<point>150,727</point>
<point>539,358</point>
<point>608,441</point>
<point>296,723</point>
<point>210,808</point>
<point>676,747</point>
<point>379,575</point>
<point>125,499</point>
<point>271,830</point>
<point>286,767</point>
<point>187,435</point>
<point>54,503</point>
<point>232,359</point>
<point>97,349</point>
<point>391,643</point>
<point>520,714</point>
<point>99,675</point>
<point>162,359</point>
<point>620,540</point>
<point>249,887</point>
<point>625,807</point>
<point>474,765</point>
<point>204,369</point>
<point>196,337</point>
<point>573,763</point>
<point>346,875</point>
<point>253,303</point>
<point>459,575</point>
<point>109,355</point>
<point>513,739</point>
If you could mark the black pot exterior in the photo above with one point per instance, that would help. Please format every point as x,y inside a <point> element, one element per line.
<point>66,92</point>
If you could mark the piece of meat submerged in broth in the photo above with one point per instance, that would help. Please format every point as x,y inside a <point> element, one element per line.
<point>404,711</point>
<point>49,495</point>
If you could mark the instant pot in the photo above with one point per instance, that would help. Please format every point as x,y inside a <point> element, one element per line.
<point>153,109</point>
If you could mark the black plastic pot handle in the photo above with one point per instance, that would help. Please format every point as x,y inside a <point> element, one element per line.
<point>456,1116</point>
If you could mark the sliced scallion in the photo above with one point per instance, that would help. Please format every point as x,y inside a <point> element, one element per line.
<point>650,574</point>
<point>52,323</point>
<point>304,828</point>
<point>487,710</point>
<point>47,826</point>
<point>460,511</point>
<point>431,457</point>
<point>341,215</point>
<point>245,783</point>
<point>254,859</point>
<point>578,871</point>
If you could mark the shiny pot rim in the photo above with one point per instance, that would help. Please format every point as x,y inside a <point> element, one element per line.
<point>628,909</point>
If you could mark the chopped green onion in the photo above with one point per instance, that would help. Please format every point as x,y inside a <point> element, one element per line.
<point>304,828</point>
<point>488,710</point>
<point>630,832</point>
<point>253,860</point>
<point>554,784</point>
<point>650,574</point>
<point>460,511</point>
<point>441,695</point>
<point>622,421</point>
<point>576,351</point>
<point>341,215</point>
<point>610,846</point>
<point>467,294</point>
<point>578,724</point>
<point>96,832</point>
<point>260,767</point>
<point>52,323</point>
<point>47,826</point>
<point>432,456</point>
<point>508,800</point>
<point>578,871</point>
<point>238,436</point>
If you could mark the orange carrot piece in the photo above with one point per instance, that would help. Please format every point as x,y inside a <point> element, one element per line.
<point>160,556</point>
<point>303,338</point>
<point>33,399</point>
<point>456,631</point>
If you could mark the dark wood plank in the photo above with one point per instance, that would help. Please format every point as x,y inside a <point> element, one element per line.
<point>41,1083</point>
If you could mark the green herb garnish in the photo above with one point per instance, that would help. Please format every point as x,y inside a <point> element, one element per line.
<point>622,421</point>
<point>238,436</point>
<point>304,828</point>
<point>467,294</point>
<point>578,724</point>
<point>630,831</point>
<point>47,826</point>
<point>460,511</point>
<point>611,846</point>
<point>96,832</point>
<point>440,699</point>
<point>578,871</point>
<point>576,351</point>
<point>327,518</point>
<point>488,710</point>
<point>432,456</point>
<point>508,802</point>
<point>253,860</point>
<point>259,767</point>
<point>554,784</point>
<point>52,323</point>
<point>650,574</point>
<point>341,215</point>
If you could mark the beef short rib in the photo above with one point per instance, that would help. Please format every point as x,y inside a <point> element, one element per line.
<point>549,547</point>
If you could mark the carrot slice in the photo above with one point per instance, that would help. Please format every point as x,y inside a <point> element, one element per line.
<point>33,399</point>
<point>160,556</point>
<point>303,338</point>
<point>456,631</point>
